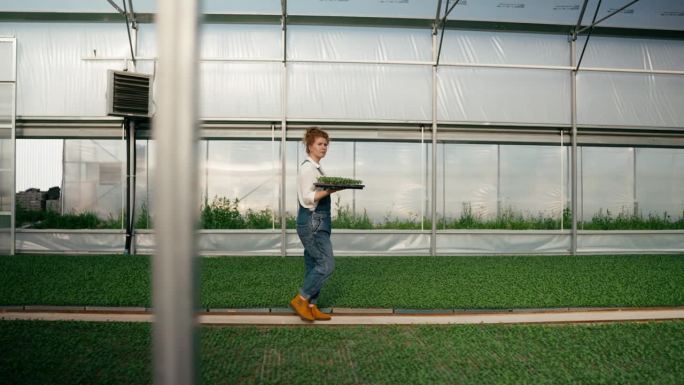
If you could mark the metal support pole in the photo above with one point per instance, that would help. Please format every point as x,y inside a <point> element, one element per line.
<point>354,176</point>
<point>283,131</point>
<point>206,173</point>
<point>498,180</point>
<point>573,164</point>
<point>130,185</point>
<point>13,167</point>
<point>433,234</point>
<point>634,181</point>
<point>175,130</point>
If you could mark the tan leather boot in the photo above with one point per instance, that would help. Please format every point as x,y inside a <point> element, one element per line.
<point>301,307</point>
<point>319,315</point>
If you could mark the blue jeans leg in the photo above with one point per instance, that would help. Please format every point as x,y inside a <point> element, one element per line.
<point>310,264</point>
<point>319,249</point>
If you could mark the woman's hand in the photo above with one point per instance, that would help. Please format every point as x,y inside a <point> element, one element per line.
<point>320,194</point>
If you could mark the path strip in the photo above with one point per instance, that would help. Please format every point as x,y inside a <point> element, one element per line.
<point>527,317</point>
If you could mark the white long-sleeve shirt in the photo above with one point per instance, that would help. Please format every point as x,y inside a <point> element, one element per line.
<point>309,171</point>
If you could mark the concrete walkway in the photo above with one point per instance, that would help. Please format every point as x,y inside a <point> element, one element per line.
<point>362,316</point>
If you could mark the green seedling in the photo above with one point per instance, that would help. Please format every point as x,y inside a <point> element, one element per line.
<point>338,180</point>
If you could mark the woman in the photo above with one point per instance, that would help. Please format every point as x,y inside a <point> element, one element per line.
<point>313,227</point>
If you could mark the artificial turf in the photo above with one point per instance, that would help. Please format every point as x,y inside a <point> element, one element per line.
<point>488,282</point>
<point>36,352</point>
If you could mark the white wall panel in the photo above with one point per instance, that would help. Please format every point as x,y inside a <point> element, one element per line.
<point>241,41</point>
<point>532,180</point>
<point>606,181</point>
<point>364,8</point>
<point>630,99</point>
<point>309,42</point>
<point>240,90</point>
<point>630,241</point>
<point>83,241</point>
<point>502,242</point>
<point>53,79</point>
<point>359,242</point>
<point>632,53</point>
<point>660,181</point>
<point>460,46</point>
<point>467,179</point>
<point>503,95</point>
<point>359,91</point>
<point>7,61</point>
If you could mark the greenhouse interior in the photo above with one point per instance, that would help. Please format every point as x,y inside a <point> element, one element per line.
<point>476,126</point>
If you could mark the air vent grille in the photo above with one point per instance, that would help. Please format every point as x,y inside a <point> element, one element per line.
<point>128,94</point>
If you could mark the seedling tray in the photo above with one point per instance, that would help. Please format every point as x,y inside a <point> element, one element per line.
<point>329,186</point>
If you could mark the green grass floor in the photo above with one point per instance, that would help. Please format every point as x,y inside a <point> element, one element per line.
<point>489,282</point>
<point>35,352</point>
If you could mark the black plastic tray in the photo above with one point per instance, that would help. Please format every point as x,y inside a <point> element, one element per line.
<point>328,186</point>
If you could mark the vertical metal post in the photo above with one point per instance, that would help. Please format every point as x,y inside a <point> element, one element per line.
<point>130,185</point>
<point>175,131</point>
<point>283,131</point>
<point>206,173</point>
<point>13,165</point>
<point>354,176</point>
<point>423,161</point>
<point>62,181</point>
<point>433,234</point>
<point>444,181</point>
<point>498,180</point>
<point>562,181</point>
<point>573,164</point>
<point>634,181</point>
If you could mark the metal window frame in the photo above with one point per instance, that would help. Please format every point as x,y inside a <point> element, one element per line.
<point>13,138</point>
<point>392,130</point>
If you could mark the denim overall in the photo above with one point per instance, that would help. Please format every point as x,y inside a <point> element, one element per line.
<point>313,228</point>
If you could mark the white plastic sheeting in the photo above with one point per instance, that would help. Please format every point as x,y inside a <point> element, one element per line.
<point>652,14</point>
<point>5,237</point>
<point>7,143</point>
<point>71,6</point>
<point>234,242</point>
<point>606,181</point>
<point>503,95</point>
<point>359,242</point>
<point>534,180</point>
<point>359,91</point>
<point>395,176</point>
<point>241,41</point>
<point>660,182</point>
<point>365,243</point>
<point>248,171</point>
<point>336,43</point>
<point>630,241</point>
<point>502,242</point>
<point>62,72</point>
<point>479,47</point>
<point>67,241</point>
<point>467,179</point>
<point>53,78</point>
<point>7,61</point>
<point>632,53</point>
<point>630,99</point>
<point>144,186</point>
<point>240,90</point>
<point>93,177</point>
<point>659,14</point>
<point>485,180</point>
<point>224,41</point>
<point>6,106</point>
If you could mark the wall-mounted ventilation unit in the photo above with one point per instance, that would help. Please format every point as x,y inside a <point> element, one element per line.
<point>129,94</point>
